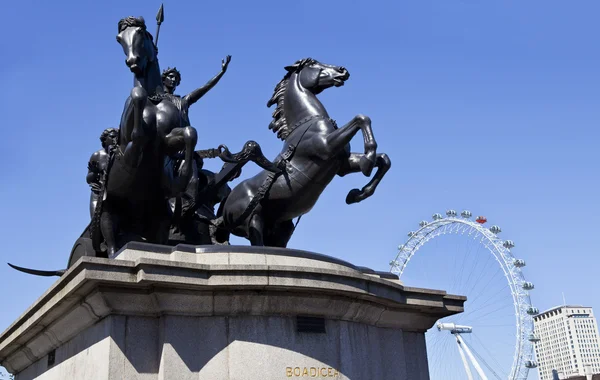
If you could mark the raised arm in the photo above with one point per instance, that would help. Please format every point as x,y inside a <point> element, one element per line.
<point>193,96</point>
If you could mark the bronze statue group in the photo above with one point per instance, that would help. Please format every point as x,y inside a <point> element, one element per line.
<point>148,183</point>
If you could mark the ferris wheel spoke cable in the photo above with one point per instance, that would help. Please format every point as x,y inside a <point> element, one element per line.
<point>486,303</point>
<point>482,274</point>
<point>481,290</point>
<point>455,266</point>
<point>473,267</point>
<point>441,353</point>
<point>433,342</point>
<point>490,312</point>
<point>494,316</point>
<point>462,266</point>
<point>458,281</point>
<point>474,251</point>
<point>435,364</point>
<point>474,316</point>
<point>492,356</point>
<point>485,363</point>
<point>477,356</point>
<point>498,367</point>
<point>452,366</point>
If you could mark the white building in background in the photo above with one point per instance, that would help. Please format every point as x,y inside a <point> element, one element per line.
<point>567,341</point>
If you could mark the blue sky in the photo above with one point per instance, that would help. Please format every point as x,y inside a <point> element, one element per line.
<point>491,106</point>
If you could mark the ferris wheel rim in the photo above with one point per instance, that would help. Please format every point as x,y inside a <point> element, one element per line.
<point>523,352</point>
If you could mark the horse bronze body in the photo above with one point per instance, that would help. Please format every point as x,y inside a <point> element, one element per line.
<point>141,179</point>
<point>262,208</point>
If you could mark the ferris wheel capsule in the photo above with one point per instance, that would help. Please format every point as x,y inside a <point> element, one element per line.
<point>509,244</point>
<point>423,223</point>
<point>519,263</point>
<point>495,229</point>
<point>533,310</point>
<point>466,214</point>
<point>437,216</point>
<point>481,219</point>
<point>411,234</point>
<point>531,364</point>
<point>451,213</point>
<point>528,285</point>
<point>533,338</point>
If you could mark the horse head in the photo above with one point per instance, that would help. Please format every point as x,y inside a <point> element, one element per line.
<point>316,76</point>
<point>305,76</point>
<point>137,44</point>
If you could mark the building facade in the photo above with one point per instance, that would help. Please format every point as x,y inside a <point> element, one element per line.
<point>567,341</point>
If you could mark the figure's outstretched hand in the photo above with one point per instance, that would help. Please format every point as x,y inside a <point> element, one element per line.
<point>225,63</point>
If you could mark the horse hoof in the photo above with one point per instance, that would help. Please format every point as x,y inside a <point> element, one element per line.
<point>367,163</point>
<point>354,196</point>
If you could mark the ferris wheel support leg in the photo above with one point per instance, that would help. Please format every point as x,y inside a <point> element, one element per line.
<point>473,361</point>
<point>464,360</point>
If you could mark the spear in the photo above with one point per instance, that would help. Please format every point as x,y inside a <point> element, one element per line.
<point>160,17</point>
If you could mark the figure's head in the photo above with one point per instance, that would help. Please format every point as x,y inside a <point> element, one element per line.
<point>171,77</point>
<point>109,136</point>
<point>137,44</point>
<point>316,76</point>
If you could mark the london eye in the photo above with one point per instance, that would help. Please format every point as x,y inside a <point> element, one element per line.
<point>494,337</point>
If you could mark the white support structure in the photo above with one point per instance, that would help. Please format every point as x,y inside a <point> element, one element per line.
<point>464,360</point>
<point>464,346</point>
<point>457,330</point>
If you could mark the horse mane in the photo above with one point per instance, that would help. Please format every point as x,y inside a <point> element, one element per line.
<point>279,123</point>
<point>137,22</point>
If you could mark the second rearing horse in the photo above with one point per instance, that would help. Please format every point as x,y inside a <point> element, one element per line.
<point>315,150</point>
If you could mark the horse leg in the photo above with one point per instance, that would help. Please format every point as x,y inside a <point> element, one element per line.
<point>158,231</point>
<point>256,226</point>
<point>280,235</point>
<point>126,125</point>
<point>341,137</point>
<point>138,137</point>
<point>186,139</point>
<point>190,138</point>
<point>352,165</point>
<point>108,226</point>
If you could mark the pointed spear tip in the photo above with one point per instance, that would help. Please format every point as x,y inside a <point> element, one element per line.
<point>160,16</point>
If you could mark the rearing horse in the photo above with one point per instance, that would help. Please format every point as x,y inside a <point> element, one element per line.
<point>141,177</point>
<point>262,208</point>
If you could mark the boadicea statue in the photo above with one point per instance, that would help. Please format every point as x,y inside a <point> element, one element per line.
<point>148,184</point>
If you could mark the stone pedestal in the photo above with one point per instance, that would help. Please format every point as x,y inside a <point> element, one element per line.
<point>224,312</point>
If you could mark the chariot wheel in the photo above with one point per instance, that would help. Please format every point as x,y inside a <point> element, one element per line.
<point>82,247</point>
